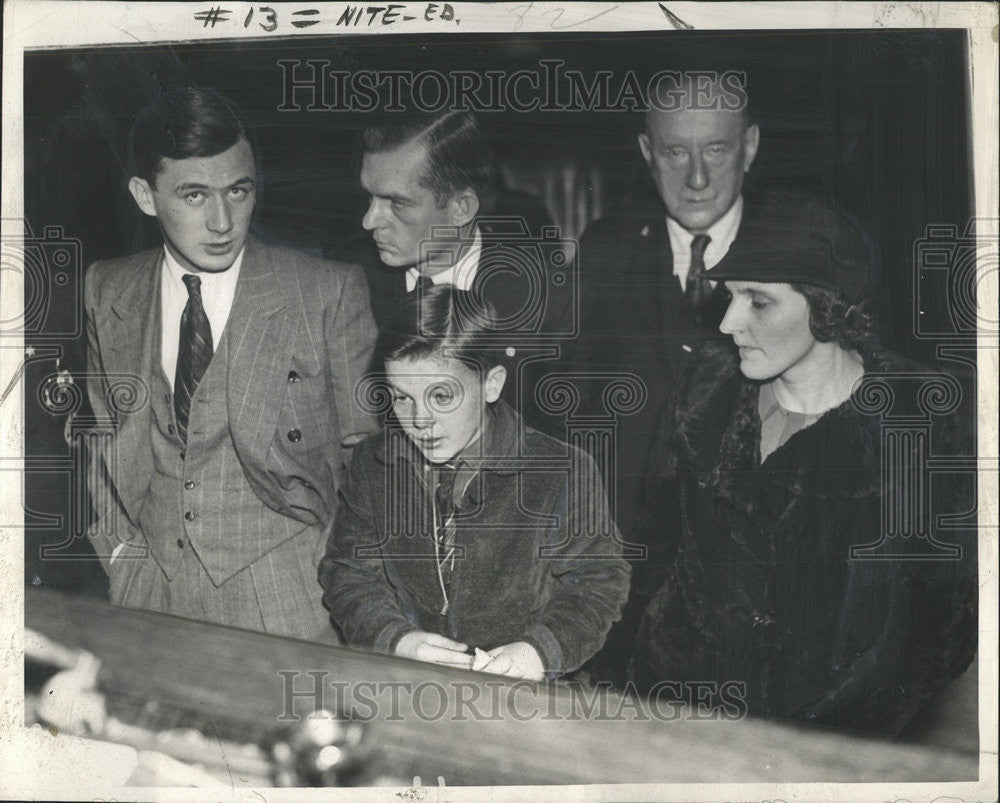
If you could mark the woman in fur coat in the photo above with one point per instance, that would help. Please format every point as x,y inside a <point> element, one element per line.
<point>808,579</point>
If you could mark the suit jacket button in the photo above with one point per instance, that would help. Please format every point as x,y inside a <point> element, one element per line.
<point>294,435</point>
<point>294,377</point>
<point>180,543</point>
<point>189,516</point>
<point>189,484</point>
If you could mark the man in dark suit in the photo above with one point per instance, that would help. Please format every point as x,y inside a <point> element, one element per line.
<point>427,178</point>
<point>646,303</point>
<point>221,472</point>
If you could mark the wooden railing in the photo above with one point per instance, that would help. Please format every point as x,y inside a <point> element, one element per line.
<point>464,727</point>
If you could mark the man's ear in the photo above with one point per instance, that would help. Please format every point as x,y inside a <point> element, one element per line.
<point>646,147</point>
<point>463,206</point>
<point>143,195</point>
<point>494,383</point>
<point>751,139</point>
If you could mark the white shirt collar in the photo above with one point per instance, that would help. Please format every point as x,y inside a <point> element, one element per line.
<point>722,232</point>
<point>210,282</point>
<point>217,293</point>
<point>460,275</point>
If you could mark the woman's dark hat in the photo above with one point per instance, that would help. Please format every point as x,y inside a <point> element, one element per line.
<point>796,238</point>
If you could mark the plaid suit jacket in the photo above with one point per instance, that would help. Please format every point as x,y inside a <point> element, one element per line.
<point>300,337</point>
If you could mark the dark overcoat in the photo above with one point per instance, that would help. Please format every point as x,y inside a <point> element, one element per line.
<point>767,585</point>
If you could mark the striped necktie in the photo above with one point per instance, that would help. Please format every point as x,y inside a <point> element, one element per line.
<point>194,352</point>
<point>445,509</point>
<point>697,287</point>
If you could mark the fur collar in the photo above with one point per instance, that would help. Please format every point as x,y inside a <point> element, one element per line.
<point>717,436</point>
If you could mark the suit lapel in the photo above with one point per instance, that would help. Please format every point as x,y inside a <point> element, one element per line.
<point>394,285</point>
<point>260,335</point>
<point>673,312</point>
<point>127,337</point>
<point>387,286</point>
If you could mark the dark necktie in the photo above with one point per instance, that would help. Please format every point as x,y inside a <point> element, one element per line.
<point>697,288</point>
<point>423,284</point>
<point>194,353</point>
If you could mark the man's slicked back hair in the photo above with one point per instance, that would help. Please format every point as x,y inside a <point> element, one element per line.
<point>459,156</point>
<point>183,124</point>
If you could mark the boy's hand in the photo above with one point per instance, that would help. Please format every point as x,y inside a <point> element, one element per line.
<point>423,646</point>
<point>516,660</point>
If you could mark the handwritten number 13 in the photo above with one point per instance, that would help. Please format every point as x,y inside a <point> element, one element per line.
<point>270,21</point>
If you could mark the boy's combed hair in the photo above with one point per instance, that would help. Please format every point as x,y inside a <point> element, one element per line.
<point>443,322</point>
<point>182,124</point>
<point>458,155</point>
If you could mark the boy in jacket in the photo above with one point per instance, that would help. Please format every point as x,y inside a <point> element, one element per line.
<point>460,528</point>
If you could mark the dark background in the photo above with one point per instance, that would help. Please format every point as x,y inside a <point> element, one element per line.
<point>876,122</point>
